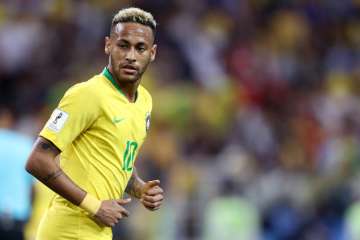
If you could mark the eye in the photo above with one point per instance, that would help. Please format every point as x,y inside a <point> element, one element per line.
<point>141,48</point>
<point>123,45</point>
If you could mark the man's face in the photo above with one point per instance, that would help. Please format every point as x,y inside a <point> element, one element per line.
<point>130,48</point>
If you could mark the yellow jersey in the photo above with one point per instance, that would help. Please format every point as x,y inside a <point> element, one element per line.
<point>99,133</point>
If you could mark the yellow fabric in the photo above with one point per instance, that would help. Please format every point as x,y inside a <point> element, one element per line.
<point>64,222</point>
<point>90,204</point>
<point>99,140</point>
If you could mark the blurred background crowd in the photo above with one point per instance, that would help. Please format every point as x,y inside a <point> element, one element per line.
<point>255,129</point>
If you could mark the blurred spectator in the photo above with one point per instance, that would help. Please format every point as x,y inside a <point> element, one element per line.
<point>352,222</point>
<point>41,199</point>
<point>230,216</point>
<point>267,92</point>
<point>15,189</point>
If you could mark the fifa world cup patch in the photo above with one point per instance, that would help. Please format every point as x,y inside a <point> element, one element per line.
<point>147,121</point>
<point>57,120</point>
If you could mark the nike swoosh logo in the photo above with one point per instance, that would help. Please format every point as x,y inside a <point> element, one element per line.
<point>117,119</point>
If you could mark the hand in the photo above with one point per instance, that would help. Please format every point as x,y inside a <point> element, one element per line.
<point>111,211</point>
<point>152,195</point>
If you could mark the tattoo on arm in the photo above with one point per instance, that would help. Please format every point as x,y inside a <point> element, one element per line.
<point>45,145</point>
<point>52,175</point>
<point>134,187</point>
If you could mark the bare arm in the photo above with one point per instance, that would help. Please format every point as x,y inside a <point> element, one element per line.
<point>42,165</point>
<point>135,185</point>
<point>150,193</point>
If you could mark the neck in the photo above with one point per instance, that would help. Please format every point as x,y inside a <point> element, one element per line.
<point>129,89</point>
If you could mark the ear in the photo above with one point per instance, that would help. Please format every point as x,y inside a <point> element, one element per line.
<point>107,45</point>
<point>153,52</point>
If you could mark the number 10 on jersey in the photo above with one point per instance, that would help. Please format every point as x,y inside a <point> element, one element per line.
<point>129,155</point>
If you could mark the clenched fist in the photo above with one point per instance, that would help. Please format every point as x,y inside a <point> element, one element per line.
<point>152,195</point>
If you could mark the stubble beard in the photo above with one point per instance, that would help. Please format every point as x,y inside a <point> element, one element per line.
<point>116,71</point>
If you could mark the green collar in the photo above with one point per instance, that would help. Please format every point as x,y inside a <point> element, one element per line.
<point>109,76</point>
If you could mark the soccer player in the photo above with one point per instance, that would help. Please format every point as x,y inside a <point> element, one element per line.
<point>98,128</point>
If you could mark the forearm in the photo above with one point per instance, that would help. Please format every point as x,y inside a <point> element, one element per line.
<point>135,185</point>
<point>42,165</point>
<point>60,183</point>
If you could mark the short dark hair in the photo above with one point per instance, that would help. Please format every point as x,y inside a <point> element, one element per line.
<point>135,15</point>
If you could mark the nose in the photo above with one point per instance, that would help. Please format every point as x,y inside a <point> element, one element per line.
<point>130,55</point>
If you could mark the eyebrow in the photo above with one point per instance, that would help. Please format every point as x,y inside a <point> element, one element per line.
<point>128,42</point>
<point>122,40</point>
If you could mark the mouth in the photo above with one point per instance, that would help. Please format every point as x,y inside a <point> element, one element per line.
<point>129,69</point>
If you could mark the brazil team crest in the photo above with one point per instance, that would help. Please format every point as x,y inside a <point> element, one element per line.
<point>147,121</point>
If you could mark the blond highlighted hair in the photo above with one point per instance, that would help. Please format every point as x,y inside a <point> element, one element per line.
<point>134,15</point>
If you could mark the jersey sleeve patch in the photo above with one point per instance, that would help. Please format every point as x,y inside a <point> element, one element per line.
<point>57,120</point>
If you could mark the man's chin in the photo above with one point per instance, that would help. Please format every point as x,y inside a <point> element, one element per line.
<point>128,78</point>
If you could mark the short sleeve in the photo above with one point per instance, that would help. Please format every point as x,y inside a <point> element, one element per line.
<point>76,112</point>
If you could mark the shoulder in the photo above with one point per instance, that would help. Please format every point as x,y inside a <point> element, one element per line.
<point>87,87</point>
<point>88,91</point>
<point>84,95</point>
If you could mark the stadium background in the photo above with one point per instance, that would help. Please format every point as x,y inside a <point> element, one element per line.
<point>256,125</point>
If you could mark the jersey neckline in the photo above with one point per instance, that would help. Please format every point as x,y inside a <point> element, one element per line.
<point>110,77</point>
